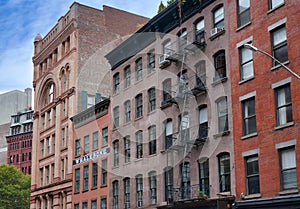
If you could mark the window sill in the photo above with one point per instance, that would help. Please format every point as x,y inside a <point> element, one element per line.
<point>246,80</point>
<point>217,35</point>
<point>126,88</point>
<point>252,196</point>
<point>94,188</point>
<point>138,159</point>
<point>284,126</point>
<point>150,73</point>
<point>138,81</point>
<point>289,191</point>
<point>275,8</point>
<point>278,66</point>
<point>218,81</point>
<point>103,186</point>
<point>63,149</point>
<point>249,135</point>
<point>152,112</point>
<point>139,118</point>
<point>116,94</point>
<point>224,133</point>
<point>243,26</point>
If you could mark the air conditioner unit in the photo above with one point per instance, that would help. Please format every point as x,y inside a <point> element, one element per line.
<point>216,30</point>
<point>163,59</point>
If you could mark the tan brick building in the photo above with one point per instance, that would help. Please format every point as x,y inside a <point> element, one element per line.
<point>69,75</point>
<point>171,116</point>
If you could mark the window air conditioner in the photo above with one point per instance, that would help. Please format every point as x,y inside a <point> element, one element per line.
<point>214,31</point>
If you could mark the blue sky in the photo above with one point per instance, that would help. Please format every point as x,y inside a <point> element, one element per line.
<point>21,20</point>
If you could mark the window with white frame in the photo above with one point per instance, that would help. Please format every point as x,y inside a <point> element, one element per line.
<point>152,140</point>
<point>168,174</point>
<point>168,133</point>
<point>275,3</point>
<point>139,190</point>
<point>139,144</point>
<point>246,63</point>
<point>126,193</point>
<point>127,149</point>
<point>152,99</point>
<point>94,175</point>
<point>204,176</point>
<point>115,185</point>
<point>116,152</point>
<point>151,61</point>
<point>288,168</point>
<point>127,108</point>
<point>243,12</point>
<point>182,39</point>
<point>167,47</point>
<point>139,69</point>
<point>86,145</point>
<point>185,180</point>
<point>139,105</point>
<point>224,172</point>
<point>252,175</point>
<point>218,15</point>
<point>95,140</point>
<point>249,116</point>
<point>283,105</point>
<point>90,100</point>
<point>279,45</point>
<point>222,114</point>
<point>203,122</point>
<point>152,183</point>
<point>116,114</point>
<point>116,83</point>
<point>85,177</point>
<point>199,31</point>
<point>127,74</point>
<point>104,136</point>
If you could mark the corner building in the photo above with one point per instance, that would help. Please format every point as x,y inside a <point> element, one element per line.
<point>265,102</point>
<point>172,141</point>
<point>68,79</point>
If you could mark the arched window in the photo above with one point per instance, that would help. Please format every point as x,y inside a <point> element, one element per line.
<point>220,65</point>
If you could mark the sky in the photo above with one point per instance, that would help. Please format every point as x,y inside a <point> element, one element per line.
<point>22,20</point>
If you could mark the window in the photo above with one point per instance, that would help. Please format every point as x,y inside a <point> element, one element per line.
<point>152,184</point>
<point>103,203</point>
<point>219,17</point>
<point>249,116</point>
<point>252,175</point>
<point>224,172</point>
<point>115,185</point>
<point>94,204</point>
<point>167,90</point>
<point>151,61</point>
<point>220,65</point>
<point>116,117</point>
<point>279,45</point>
<point>77,180</point>
<point>47,174</point>
<point>94,175</point>
<point>95,140</point>
<point>41,177</point>
<point>116,83</point>
<point>199,31</point>
<point>90,101</point>
<point>139,144</point>
<point>139,190</point>
<point>104,172</point>
<point>127,111</point>
<point>139,105</point>
<point>283,105</point>
<point>246,62</point>
<point>127,193</point>
<point>275,3</point>
<point>182,39</point>
<point>152,99</point>
<point>48,141</point>
<point>203,123</point>
<point>185,180</point>
<point>63,137</point>
<point>183,80</point>
<point>200,69</point>
<point>127,149</point>
<point>139,69</point>
<point>76,206</point>
<point>77,147</point>
<point>84,205</point>
<point>222,114</point>
<point>104,136</point>
<point>167,47</point>
<point>127,73</point>
<point>63,168</point>
<point>116,153</point>
<point>204,176</point>
<point>42,144</point>
<point>288,168</point>
<point>86,147</point>
<point>168,133</point>
<point>50,93</point>
<point>85,177</point>
<point>184,127</point>
<point>243,12</point>
<point>152,140</point>
<point>169,184</point>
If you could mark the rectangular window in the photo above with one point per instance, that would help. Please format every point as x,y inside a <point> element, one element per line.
<point>152,140</point>
<point>94,175</point>
<point>104,136</point>
<point>279,45</point>
<point>167,90</point>
<point>116,83</point>
<point>219,18</point>
<point>116,117</point>
<point>90,101</point>
<point>47,174</point>
<point>152,183</point>
<point>220,65</point>
<point>84,205</point>
<point>168,134</point>
<point>63,169</point>
<point>42,144</point>
<point>77,180</point>
<point>85,177</point>
<point>203,123</point>
<point>185,181</point>
<point>288,168</point>
<point>169,185</point>
<point>283,105</point>
<point>94,204</point>
<point>127,111</point>
<point>103,203</point>
<point>252,175</point>
<point>139,105</point>
<point>243,12</point>
<point>76,206</point>
<point>127,149</point>
<point>246,63</point>
<point>115,185</point>
<point>139,69</point>
<point>249,116</point>
<point>104,172</point>
<point>41,176</point>
<point>116,153</point>
<point>152,99</point>
<point>222,115</point>
<point>224,172</point>
<point>95,140</point>
<point>139,144</point>
<point>200,69</point>
<point>199,32</point>
<point>127,193</point>
<point>127,73</point>
<point>48,141</point>
<point>275,3</point>
<point>204,177</point>
<point>86,147</point>
<point>77,148</point>
<point>151,61</point>
<point>139,191</point>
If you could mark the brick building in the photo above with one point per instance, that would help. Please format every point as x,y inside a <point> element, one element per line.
<point>91,157</point>
<point>172,141</point>
<point>69,77</point>
<point>19,141</point>
<point>265,102</point>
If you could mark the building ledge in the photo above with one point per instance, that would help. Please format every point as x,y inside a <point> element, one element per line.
<point>284,126</point>
<point>249,135</point>
<point>252,196</point>
<point>290,191</point>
